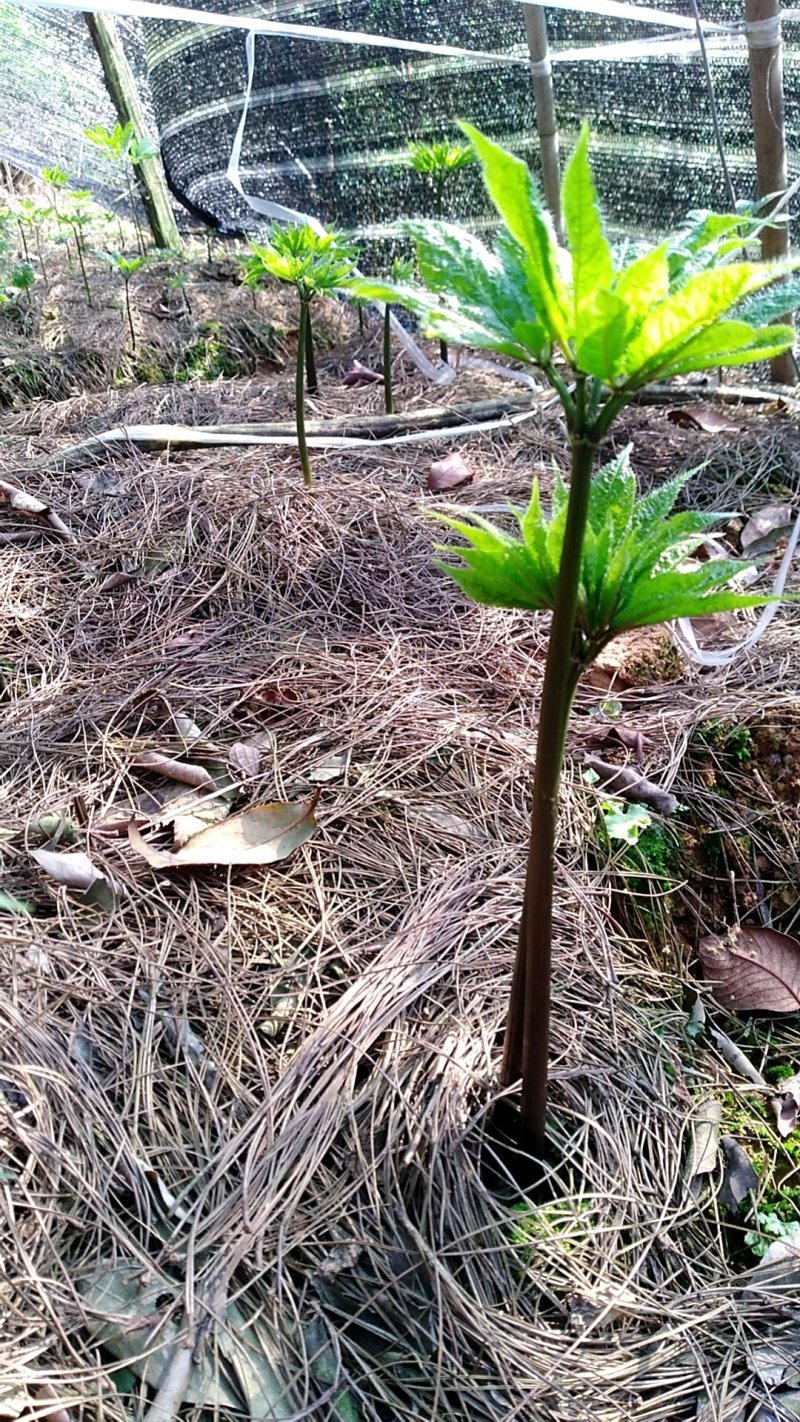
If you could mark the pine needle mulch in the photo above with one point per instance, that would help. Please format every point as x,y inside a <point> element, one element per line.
<point>245,1114</point>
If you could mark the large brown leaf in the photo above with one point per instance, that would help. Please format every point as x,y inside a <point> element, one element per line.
<point>262,834</point>
<point>753,970</point>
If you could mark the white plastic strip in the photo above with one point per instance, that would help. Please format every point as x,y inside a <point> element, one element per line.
<point>151,10</point>
<point>684,634</point>
<point>441,375</point>
<point>763,34</point>
<point>620,10</point>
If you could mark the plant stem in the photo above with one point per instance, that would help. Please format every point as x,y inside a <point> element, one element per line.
<point>361,330</point>
<point>527,1032</point>
<point>312,385</point>
<point>134,213</point>
<point>300,396</point>
<point>130,314</point>
<point>24,241</point>
<point>38,236</point>
<point>443,352</point>
<point>388,399</point>
<point>86,287</point>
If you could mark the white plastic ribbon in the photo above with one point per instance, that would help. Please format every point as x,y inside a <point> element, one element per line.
<point>684,634</point>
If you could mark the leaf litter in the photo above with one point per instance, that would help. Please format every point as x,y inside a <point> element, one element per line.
<point>395,937</point>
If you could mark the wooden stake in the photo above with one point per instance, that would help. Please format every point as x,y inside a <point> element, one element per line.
<point>542,76</point>
<point>765,52</point>
<point>121,86</point>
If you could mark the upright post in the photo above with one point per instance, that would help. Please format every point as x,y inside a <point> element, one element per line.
<point>542,76</point>
<point>121,86</point>
<point>765,54</point>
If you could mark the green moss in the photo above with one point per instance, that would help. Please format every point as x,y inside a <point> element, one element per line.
<point>729,740</point>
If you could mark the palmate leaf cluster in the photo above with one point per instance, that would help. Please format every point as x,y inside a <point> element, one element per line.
<point>316,263</point>
<point>631,571</point>
<point>439,159</point>
<point>664,313</point>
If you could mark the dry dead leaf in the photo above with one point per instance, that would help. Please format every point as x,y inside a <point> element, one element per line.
<point>119,580</point>
<point>331,769</point>
<point>753,969</point>
<point>704,1146</point>
<point>25,504</point>
<point>740,1176</point>
<point>361,375</point>
<point>76,871</point>
<point>449,473</point>
<point>262,834</point>
<point>703,417</point>
<point>785,1104</point>
<point>776,1362</point>
<point>763,532</point>
<point>195,775</point>
<point>245,756</point>
<point>56,1413</point>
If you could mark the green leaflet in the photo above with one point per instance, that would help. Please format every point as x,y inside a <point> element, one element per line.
<point>510,186</point>
<point>728,343</point>
<point>685,314</point>
<point>630,575</point>
<point>592,263</point>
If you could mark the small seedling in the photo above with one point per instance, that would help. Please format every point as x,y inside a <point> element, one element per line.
<point>126,268</point>
<point>22,279</point>
<point>439,162</point>
<point>78,216</point>
<point>315,264</point>
<point>33,218</point>
<point>602,562</point>
<point>402,272</point>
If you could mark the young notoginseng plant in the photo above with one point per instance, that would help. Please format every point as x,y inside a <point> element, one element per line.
<point>122,146</point>
<point>78,216</point>
<point>31,217</point>
<point>601,562</point>
<point>316,264</point>
<point>439,162</point>
<point>126,268</point>
<point>402,271</point>
<point>22,279</point>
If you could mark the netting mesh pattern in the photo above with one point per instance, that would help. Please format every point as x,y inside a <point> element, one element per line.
<point>328,124</point>
<point>52,87</point>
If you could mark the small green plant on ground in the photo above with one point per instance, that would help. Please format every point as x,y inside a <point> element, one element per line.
<point>402,272</point>
<point>78,216</point>
<point>315,264</point>
<point>22,279</point>
<point>126,268</point>
<point>439,162</point>
<point>728,740</point>
<point>31,217</point>
<point>603,561</point>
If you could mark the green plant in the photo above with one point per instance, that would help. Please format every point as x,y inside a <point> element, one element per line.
<point>439,162</point>
<point>78,216</point>
<point>602,562</point>
<point>122,146</point>
<point>402,271</point>
<point>126,268</point>
<point>770,1227</point>
<point>315,264</point>
<point>31,217</point>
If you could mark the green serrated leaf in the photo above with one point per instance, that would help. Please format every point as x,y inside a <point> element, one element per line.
<point>592,263</point>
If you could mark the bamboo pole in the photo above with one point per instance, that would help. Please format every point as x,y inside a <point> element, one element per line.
<point>121,85</point>
<point>542,77</point>
<point>765,54</point>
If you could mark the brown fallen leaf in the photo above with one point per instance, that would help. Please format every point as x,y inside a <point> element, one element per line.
<point>195,775</point>
<point>740,1177</point>
<point>785,1105</point>
<point>703,417</point>
<point>55,1413</point>
<point>362,375</point>
<point>631,785</point>
<point>762,532</point>
<point>119,580</point>
<point>25,504</point>
<point>753,969</point>
<point>449,473</point>
<point>262,834</point>
<point>245,756</point>
<point>703,1144</point>
<point>76,871</point>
